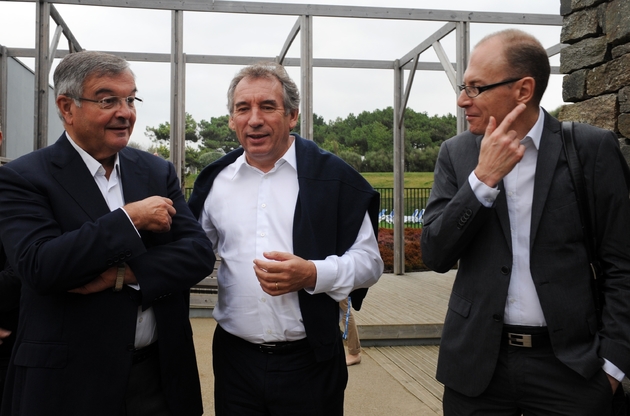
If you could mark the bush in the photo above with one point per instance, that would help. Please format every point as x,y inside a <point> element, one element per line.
<point>413,251</point>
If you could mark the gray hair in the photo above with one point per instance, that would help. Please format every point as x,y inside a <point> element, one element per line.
<point>269,70</point>
<point>75,68</point>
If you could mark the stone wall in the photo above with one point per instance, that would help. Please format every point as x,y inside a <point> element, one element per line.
<point>597,64</point>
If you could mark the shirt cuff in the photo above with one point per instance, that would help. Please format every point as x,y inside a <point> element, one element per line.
<point>326,276</point>
<point>483,192</point>
<point>613,371</point>
<point>129,218</point>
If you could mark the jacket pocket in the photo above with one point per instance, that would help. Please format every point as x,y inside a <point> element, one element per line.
<point>459,305</point>
<point>44,355</point>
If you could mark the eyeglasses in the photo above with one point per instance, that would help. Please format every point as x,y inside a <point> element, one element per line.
<point>474,90</point>
<point>112,102</point>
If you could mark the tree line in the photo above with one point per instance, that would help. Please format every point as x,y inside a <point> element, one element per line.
<point>364,141</point>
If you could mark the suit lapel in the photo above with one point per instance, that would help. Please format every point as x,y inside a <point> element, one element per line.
<point>135,178</point>
<point>70,172</point>
<point>548,155</point>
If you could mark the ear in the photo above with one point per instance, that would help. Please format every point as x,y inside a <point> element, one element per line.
<point>293,118</point>
<point>231,124</point>
<point>525,90</point>
<point>66,106</point>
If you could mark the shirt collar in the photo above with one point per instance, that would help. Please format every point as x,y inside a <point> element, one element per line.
<point>535,133</point>
<point>94,166</point>
<point>289,158</point>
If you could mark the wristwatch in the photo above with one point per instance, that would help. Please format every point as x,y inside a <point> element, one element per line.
<point>120,276</point>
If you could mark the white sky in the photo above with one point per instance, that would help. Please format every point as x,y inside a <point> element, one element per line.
<point>337,92</point>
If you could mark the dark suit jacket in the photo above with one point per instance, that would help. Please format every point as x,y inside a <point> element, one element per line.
<point>458,227</point>
<point>9,308</point>
<point>73,352</point>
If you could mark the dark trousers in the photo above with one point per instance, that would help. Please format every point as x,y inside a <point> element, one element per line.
<point>533,382</point>
<point>144,395</point>
<point>249,382</point>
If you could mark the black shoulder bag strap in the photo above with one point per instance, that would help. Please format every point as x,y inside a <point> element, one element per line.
<point>577,175</point>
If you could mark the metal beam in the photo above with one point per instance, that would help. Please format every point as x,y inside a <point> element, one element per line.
<point>316,10</point>
<point>53,46</point>
<point>287,44</point>
<point>462,46</point>
<point>447,66</point>
<point>42,65</point>
<point>428,42</point>
<point>178,86</point>
<point>3,96</point>
<point>399,178</point>
<point>306,66</point>
<point>72,41</point>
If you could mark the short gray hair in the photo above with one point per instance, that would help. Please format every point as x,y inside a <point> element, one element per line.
<point>269,70</point>
<point>75,68</point>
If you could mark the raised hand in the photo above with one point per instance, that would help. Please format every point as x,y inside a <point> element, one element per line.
<point>501,149</point>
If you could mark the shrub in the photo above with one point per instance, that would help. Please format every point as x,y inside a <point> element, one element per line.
<point>413,251</point>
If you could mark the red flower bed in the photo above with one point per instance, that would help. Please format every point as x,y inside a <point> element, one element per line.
<point>413,251</point>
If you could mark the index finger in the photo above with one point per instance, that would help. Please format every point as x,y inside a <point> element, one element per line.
<point>511,118</point>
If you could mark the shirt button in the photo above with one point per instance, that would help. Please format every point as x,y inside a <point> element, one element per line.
<point>269,331</point>
<point>140,320</point>
<point>263,300</point>
<point>264,205</point>
<point>262,234</point>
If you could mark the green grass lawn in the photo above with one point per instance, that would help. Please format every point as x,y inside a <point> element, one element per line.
<point>377,179</point>
<point>412,179</point>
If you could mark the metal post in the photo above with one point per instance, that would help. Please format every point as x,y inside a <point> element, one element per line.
<point>178,112</point>
<point>42,29</point>
<point>3,96</point>
<point>463,48</point>
<point>399,178</point>
<point>306,67</point>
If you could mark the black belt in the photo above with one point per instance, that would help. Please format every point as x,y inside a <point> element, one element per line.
<point>143,353</point>
<point>282,347</point>
<point>526,336</point>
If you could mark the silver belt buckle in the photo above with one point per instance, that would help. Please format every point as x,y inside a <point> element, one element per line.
<point>519,340</point>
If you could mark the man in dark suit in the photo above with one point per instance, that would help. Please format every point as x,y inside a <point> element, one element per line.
<point>306,221</point>
<point>106,249</point>
<point>9,308</point>
<point>521,333</point>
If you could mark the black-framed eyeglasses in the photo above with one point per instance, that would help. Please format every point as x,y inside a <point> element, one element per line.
<point>474,90</point>
<point>112,102</point>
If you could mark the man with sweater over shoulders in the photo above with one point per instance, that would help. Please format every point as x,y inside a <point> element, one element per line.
<point>295,228</point>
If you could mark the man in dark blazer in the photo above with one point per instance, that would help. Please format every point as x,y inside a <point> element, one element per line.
<point>107,249</point>
<point>521,333</point>
<point>307,222</point>
<point>9,308</point>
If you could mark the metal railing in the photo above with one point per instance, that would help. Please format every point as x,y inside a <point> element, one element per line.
<point>415,200</point>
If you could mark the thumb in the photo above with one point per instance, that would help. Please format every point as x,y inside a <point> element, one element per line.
<point>277,255</point>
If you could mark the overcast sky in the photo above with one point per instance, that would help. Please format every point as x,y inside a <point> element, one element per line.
<point>337,92</point>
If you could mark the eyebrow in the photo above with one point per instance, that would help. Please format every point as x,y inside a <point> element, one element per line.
<point>111,92</point>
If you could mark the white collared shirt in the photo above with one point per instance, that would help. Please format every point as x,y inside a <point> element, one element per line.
<point>522,306</point>
<point>146,329</point>
<point>248,212</point>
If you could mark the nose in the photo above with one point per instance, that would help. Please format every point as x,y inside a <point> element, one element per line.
<point>463,100</point>
<point>124,109</point>
<point>255,117</point>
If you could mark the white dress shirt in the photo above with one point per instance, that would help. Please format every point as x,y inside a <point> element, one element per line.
<point>248,212</point>
<point>522,306</point>
<point>146,330</point>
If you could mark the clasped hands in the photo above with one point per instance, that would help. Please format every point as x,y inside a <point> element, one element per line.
<point>154,214</point>
<point>500,150</point>
<point>284,273</point>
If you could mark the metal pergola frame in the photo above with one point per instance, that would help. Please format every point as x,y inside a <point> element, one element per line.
<point>456,21</point>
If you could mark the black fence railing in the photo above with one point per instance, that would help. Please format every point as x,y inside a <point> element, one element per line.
<point>415,200</point>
